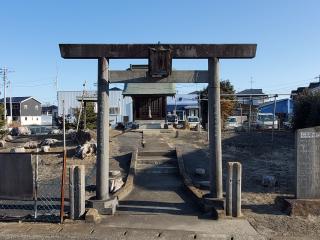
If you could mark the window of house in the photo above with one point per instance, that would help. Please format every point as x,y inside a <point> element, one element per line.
<point>15,106</point>
<point>25,107</point>
<point>114,110</point>
<point>36,107</point>
<point>26,118</point>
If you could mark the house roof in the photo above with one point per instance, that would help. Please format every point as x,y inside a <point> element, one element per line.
<point>49,107</point>
<point>195,92</point>
<point>251,91</point>
<point>168,89</point>
<point>115,89</point>
<point>16,99</point>
<point>272,102</point>
<point>312,85</point>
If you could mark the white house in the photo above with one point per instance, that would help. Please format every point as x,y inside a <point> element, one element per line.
<point>25,110</point>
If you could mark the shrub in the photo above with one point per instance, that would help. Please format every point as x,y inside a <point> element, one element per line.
<point>306,110</point>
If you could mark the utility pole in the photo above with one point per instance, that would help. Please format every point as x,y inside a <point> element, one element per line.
<point>199,109</point>
<point>55,81</point>
<point>80,111</point>
<point>9,83</point>
<point>274,115</point>
<point>4,71</point>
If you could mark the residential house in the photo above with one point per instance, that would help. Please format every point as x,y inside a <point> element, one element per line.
<point>48,115</point>
<point>184,105</point>
<point>25,110</point>
<point>253,97</point>
<point>248,101</point>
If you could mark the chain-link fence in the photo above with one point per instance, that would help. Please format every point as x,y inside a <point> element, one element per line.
<point>45,204</point>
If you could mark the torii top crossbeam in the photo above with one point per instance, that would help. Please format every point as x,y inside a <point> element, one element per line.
<point>138,51</point>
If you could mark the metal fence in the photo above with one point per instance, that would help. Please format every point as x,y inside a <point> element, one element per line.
<point>45,205</point>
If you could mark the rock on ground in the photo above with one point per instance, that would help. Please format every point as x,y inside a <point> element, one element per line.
<point>92,216</point>
<point>8,138</point>
<point>55,131</point>
<point>31,145</point>
<point>86,150</point>
<point>48,142</point>
<point>45,148</point>
<point>17,131</point>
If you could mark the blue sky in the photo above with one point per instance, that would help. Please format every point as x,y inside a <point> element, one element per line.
<point>287,34</point>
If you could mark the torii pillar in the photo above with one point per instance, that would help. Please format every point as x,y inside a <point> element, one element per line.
<point>102,171</point>
<point>214,113</point>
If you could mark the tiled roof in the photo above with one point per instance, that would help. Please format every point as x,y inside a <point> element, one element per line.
<point>14,99</point>
<point>251,91</point>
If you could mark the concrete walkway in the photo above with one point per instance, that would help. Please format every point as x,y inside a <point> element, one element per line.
<point>159,201</point>
<point>81,231</point>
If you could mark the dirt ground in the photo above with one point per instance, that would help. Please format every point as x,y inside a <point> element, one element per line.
<point>256,151</point>
<point>259,156</point>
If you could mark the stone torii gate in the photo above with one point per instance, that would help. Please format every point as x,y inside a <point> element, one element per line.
<point>160,62</point>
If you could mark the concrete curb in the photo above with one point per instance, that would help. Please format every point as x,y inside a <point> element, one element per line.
<point>195,192</point>
<point>213,206</point>
<point>128,186</point>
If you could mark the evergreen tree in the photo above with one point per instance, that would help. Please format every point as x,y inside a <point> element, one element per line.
<point>91,116</point>
<point>306,110</point>
<point>227,103</point>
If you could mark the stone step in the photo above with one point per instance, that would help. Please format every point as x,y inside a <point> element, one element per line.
<point>164,153</point>
<point>159,169</point>
<point>156,160</point>
<point>147,165</point>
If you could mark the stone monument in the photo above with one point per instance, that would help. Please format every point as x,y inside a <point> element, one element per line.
<point>307,193</point>
<point>308,163</point>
